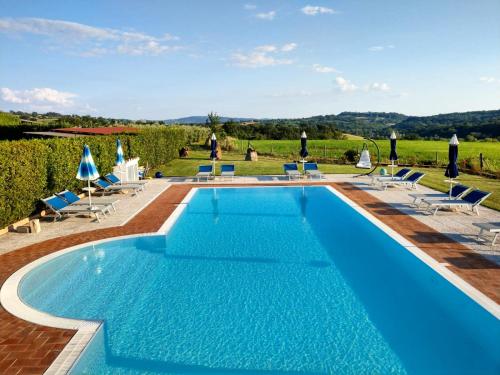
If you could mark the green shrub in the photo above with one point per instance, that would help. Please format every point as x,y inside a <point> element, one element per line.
<point>34,169</point>
<point>8,119</point>
<point>23,178</point>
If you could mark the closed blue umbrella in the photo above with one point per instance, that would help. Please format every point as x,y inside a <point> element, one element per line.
<point>393,156</point>
<point>452,168</point>
<point>87,171</point>
<point>120,159</point>
<point>303,148</point>
<point>213,151</point>
<point>213,147</point>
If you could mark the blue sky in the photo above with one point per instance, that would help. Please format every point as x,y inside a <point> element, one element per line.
<point>166,59</point>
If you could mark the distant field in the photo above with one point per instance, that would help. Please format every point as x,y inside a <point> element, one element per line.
<point>274,165</point>
<point>408,151</point>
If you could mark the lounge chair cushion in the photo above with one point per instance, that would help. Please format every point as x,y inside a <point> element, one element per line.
<point>69,196</point>
<point>205,169</point>
<point>475,197</point>
<point>310,167</point>
<point>290,167</point>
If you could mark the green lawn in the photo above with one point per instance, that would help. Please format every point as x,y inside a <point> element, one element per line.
<point>274,165</point>
<point>409,152</point>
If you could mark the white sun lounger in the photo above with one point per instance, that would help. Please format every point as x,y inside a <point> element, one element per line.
<point>312,170</point>
<point>410,182</point>
<point>291,170</point>
<point>398,176</point>
<point>471,201</point>
<point>106,187</point>
<point>457,192</point>
<point>227,170</point>
<point>60,208</point>
<point>488,227</point>
<point>204,171</point>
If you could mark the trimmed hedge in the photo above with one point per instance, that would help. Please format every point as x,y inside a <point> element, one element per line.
<point>33,169</point>
<point>9,119</point>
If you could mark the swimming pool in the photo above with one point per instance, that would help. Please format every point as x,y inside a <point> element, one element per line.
<point>266,280</point>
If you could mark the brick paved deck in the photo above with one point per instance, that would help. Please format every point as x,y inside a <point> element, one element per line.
<point>27,348</point>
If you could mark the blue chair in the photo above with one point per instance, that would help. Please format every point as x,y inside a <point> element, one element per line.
<point>408,182</point>
<point>291,170</point>
<point>471,201</point>
<point>312,170</point>
<point>227,170</point>
<point>75,200</point>
<point>114,180</point>
<point>457,191</point>
<point>205,171</point>
<point>399,175</point>
<point>60,208</point>
<point>106,187</point>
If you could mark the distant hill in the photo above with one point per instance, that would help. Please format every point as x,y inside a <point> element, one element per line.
<point>203,119</point>
<point>477,124</point>
<point>470,125</point>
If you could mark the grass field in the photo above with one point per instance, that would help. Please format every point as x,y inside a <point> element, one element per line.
<point>274,165</point>
<point>409,152</point>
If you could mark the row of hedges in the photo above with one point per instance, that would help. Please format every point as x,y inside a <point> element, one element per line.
<point>8,119</point>
<point>16,131</point>
<point>34,169</point>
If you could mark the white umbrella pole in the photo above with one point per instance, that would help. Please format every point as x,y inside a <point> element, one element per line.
<point>451,186</point>
<point>90,196</point>
<point>392,168</point>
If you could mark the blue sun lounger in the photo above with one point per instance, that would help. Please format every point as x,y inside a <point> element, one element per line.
<point>75,200</point>
<point>312,170</point>
<point>457,192</point>
<point>291,170</point>
<point>410,182</point>
<point>114,180</point>
<point>204,171</point>
<point>227,170</point>
<point>471,201</point>
<point>106,187</point>
<point>398,176</point>
<point>60,208</point>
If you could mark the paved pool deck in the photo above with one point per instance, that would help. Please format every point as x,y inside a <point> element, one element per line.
<point>449,237</point>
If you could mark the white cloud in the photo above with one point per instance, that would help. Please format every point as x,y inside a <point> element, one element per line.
<point>89,40</point>
<point>489,79</point>
<point>324,69</point>
<point>311,10</point>
<point>249,6</point>
<point>266,48</point>
<point>265,55</point>
<point>38,96</point>
<point>376,86</point>
<point>257,60</point>
<point>345,85</point>
<point>289,47</point>
<point>380,48</point>
<point>269,16</point>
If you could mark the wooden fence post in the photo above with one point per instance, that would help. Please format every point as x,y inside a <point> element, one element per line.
<point>481,160</point>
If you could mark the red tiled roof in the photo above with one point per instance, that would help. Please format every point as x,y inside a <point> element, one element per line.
<point>99,131</point>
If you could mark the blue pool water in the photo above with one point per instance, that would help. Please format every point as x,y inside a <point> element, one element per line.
<point>266,281</point>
